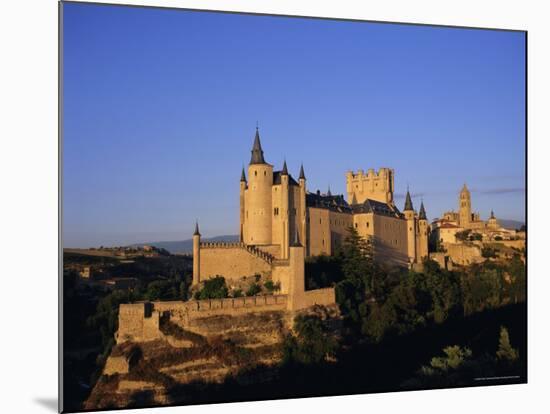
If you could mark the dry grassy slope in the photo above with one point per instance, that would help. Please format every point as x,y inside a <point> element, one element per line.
<point>208,350</point>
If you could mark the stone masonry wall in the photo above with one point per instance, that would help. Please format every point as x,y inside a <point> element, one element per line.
<point>231,262</point>
<point>140,322</point>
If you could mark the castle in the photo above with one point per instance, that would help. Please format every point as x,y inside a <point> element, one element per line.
<point>281,223</point>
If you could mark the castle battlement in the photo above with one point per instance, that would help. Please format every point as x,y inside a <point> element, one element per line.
<point>267,257</point>
<point>140,322</point>
<point>371,173</point>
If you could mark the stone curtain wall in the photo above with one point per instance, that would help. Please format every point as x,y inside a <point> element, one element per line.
<point>139,322</point>
<point>232,261</point>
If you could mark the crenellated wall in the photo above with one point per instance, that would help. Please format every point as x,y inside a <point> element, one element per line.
<point>140,322</point>
<point>373,185</point>
<point>232,261</point>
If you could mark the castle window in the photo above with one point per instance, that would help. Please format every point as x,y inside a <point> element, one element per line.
<point>319,221</point>
<point>265,173</point>
<point>367,224</point>
<point>355,225</point>
<point>276,211</point>
<point>255,173</point>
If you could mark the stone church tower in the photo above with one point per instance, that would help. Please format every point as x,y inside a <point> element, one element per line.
<point>465,207</point>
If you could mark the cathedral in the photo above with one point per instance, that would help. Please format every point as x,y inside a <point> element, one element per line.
<point>278,214</point>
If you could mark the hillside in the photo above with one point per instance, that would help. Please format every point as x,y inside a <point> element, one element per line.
<point>511,224</point>
<point>185,246</point>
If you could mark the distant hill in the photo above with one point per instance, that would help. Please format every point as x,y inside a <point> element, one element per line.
<point>511,224</point>
<point>186,246</point>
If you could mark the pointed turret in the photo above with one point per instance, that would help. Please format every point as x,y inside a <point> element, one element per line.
<point>328,192</point>
<point>408,202</point>
<point>243,176</point>
<point>257,152</point>
<point>492,214</point>
<point>302,175</point>
<point>285,169</point>
<point>422,213</point>
<point>196,233</point>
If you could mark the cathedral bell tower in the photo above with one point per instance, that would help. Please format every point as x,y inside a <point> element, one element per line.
<point>465,207</point>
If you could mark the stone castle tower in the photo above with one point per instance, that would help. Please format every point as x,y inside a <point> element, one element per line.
<point>422,246</point>
<point>417,231</point>
<point>410,216</point>
<point>373,185</point>
<point>196,254</point>
<point>465,207</point>
<point>272,205</point>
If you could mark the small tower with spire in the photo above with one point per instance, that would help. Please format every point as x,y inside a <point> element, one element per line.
<point>196,255</point>
<point>303,208</point>
<point>412,225</point>
<point>423,230</point>
<point>492,223</point>
<point>285,216</point>
<point>243,185</point>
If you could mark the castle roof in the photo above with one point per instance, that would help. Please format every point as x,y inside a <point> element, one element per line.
<point>243,176</point>
<point>422,213</point>
<point>338,204</point>
<point>257,152</point>
<point>277,178</point>
<point>376,207</point>
<point>285,169</point>
<point>408,202</point>
<point>302,175</point>
<point>447,225</point>
<point>330,202</point>
<point>196,233</point>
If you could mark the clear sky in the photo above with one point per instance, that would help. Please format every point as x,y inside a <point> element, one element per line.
<point>160,109</point>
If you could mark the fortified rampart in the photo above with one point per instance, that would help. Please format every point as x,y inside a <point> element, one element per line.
<point>463,254</point>
<point>233,260</point>
<point>140,322</point>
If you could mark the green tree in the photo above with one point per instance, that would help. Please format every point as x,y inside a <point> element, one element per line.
<point>253,289</point>
<point>312,343</point>
<point>505,351</point>
<point>353,292</point>
<point>213,288</point>
<point>463,235</point>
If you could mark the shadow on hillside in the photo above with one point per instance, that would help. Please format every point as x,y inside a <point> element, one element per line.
<point>370,368</point>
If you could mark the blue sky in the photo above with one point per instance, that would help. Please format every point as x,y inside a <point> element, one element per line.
<point>160,110</point>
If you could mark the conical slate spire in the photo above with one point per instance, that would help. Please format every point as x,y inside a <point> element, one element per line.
<point>408,202</point>
<point>422,213</point>
<point>243,176</point>
<point>492,214</point>
<point>257,152</point>
<point>302,175</point>
<point>196,233</point>
<point>329,193</point>
<point>285,169</point>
